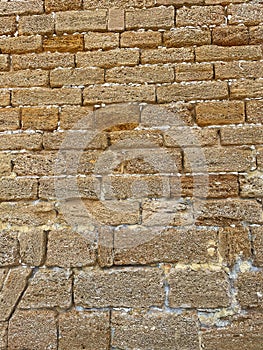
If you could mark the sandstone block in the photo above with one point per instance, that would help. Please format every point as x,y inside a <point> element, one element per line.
<point>80,76</point>
<point>9,119</point>
<point>62,5</point>
<point>5,167</point>
<point>48,288</point>
<point>23,141</point>
<point>198,289</point>
<point>154,18</point>
<point>171,55</point>
<point>200,16</point>
<point>254,111</point>
<point>37,24</point>
<point>76,117</point>
<point>257,237</point>
<point>116,20</point>
<point>4,98</point>
<point>256,34</point>
<point>32,244</point>
<point>180,37</point>
<point>44,60</point>
<point>222,53</point>
<point>249,287</point>
<point>65,43</point>
<point>21,44</point>
<point>17,189</point>
<point>246,135</point>
<point>248,14</point>
<point>230,36</point>
<point>246,88</point>
<point>39,118</point>
<point>35,329</point>
<point>147,39</point>
<point>236,70</point>
<point>19,7</point>
<point>251,185</point>
<point>97,40</point>
<point>7,25</point>
<point>190,72</point>
<point>9,248</point>
<point>4,63</point>
<point>137,287</point>
<point>24,78</point>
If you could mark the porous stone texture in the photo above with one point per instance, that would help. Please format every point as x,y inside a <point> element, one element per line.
<point>131,174</point>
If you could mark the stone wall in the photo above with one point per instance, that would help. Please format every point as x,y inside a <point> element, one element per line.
<point>131,164</point>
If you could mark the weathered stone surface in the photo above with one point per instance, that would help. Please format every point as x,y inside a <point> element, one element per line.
<point>17,189</point>
<point>139,287</point>
<point>48,288</point>
<point>9,248</point>
<point>63,245</point>
<point>5,164</point>
<point>249,287</point>
<point>21,141</point>
<point>254,111</point>
<point>180,37</point>
<point>198,289</point>
<point>154,330</point>
<point>84,329</point>
<point>3,335</point>
<point>33,329</point>
<point>65,43</point>
<point>40,118</point>
<point>144,245</point>
<point>257,241</point>
<point>154,18</point>
<point>251,185</point>
<point>32,243</point>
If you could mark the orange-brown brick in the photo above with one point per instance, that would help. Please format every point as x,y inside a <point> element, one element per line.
<point>8,25</point>
<point>39,118</point>
<point>179,37</point>
<point>147,39</point>
<point>217,113</point>
<point>62,5</point>
<point>200,15</point>
<point>230,36</point>
<point>154,18</point>
<point>37,24</point>
<point>65,43</point>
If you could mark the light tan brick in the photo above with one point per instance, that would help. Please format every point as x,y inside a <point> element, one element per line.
<point>200,289</point>
<point>144,245</point>
<point>7,25</point>
<point>108,59</point>
<point>254,111</point>
<point>4,98</point>
<point>257,239</point>
<point>21,7</point>
<point>162,330</point>
<point>64,43</point>
<point>26,78</point>
<point>179,3</point>
<point>43,60</point>
<point>242,332</point>
<point>21,44</point>
<point>117,117</point>
<point>222,53</point>
<point>14,285</point>
<point>246,88</point>
<point>135,139</point>
<point>3,335</point>
<point>76,117</point>
<point>256,34</point>
<point>88,4</point>
<point>81,21</point>
<point>249,14</point>
<point>140,74</point>
<point>193,91</point>
<point>37,24</point>
<point>218,159</point>
<point>164,55</point>
<point>166,212</point>
<point>105,41</point>
<point>87,329</point>
<point>9,248</point>
<point>21,213</point>
<point>62,5</point>
<point>190,137</point>
<point>32,243</point>
<point>118,93</point>
<point>16,189</point>
<point>179,37</point>
<point>116,19</point>
<point>147,39</point>
<point>35,329</point>
<point>39,118</point>
<point>87,187</point>
<point>42,96</point>
<point>230,36</point>
<point>200,16</point>
<point>251,185</point>
<point>230,211</point>
<point>129,187</point>
<point>236,70</point>
<point>154,18</point>
<point>9,119</point>
<point>249,287</point>
<point>48,288</point>
<point>5,167</point>
<point>234,244</point>
<point>190,72</point>
<point>78,76</point>
<point>105,247</point>
<point>218,186</point>
<point>260,158</point>
<point>31,142</point>
<point>62,245</point>
<point>246,135</point>
<point>217,113</point>
<point>137,287</point>
<point>4,63</point>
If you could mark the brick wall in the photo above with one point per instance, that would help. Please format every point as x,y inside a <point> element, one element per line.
<point>131,164</point>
